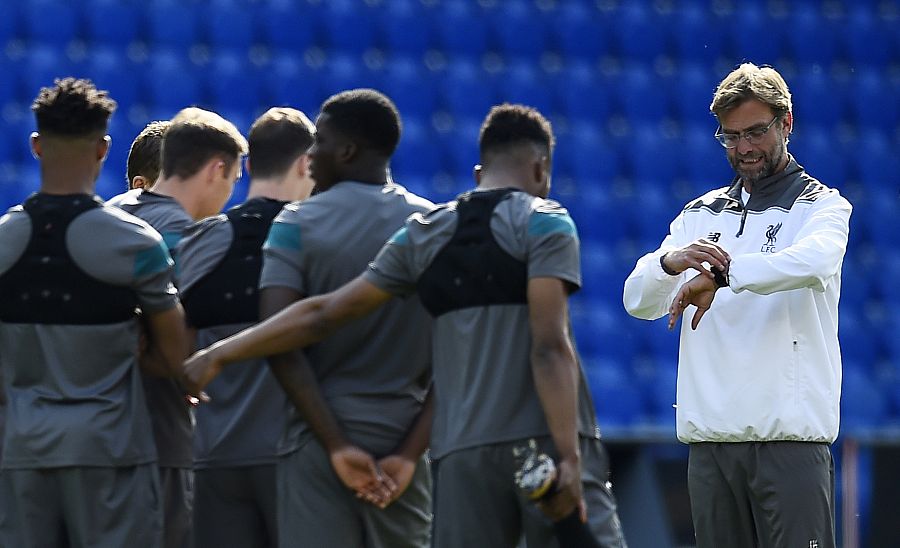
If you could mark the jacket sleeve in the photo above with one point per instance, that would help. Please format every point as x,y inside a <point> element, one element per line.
<point>809,262</point>
<point>648,289</point>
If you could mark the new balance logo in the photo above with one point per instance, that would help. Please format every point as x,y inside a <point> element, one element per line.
<point>771,233</point>
<point>814,544</point>
<point>714,236</point>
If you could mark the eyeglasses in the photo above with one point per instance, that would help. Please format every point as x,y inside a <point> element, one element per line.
<point>753,136</point>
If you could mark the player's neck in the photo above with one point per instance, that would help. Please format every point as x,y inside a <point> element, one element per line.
<point>501,179</point>
<point>282,189</point>
<point>70,178</point>
<point>181,191</point>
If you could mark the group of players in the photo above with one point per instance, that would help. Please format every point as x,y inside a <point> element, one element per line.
<point>330,413</point>
<point>318,447</point>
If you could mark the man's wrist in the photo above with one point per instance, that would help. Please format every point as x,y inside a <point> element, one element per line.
<point>720,277</point>
<point>666,269</point>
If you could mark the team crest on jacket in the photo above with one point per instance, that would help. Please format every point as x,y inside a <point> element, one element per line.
<point>771,233</point>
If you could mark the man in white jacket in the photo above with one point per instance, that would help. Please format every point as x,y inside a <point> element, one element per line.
<point>759,380</point>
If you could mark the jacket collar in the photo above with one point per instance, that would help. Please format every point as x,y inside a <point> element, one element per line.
<point>768,188</point>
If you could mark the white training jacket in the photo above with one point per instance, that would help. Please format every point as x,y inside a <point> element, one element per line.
<point>764,363</point>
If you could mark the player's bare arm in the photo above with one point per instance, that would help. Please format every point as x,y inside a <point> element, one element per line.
<point>301,324</point>
<point>555,373</point>
<point>355,467</point>
<point>694,255</point>
<point>166,343</point>
<point>400,465</point>
<point>700,292</point>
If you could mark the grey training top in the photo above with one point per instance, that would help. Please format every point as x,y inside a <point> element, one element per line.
<point>169,411</point>
<point>374,371</point>
<point>244,420</point>
<point>74,392</point>
<point>483,385</point>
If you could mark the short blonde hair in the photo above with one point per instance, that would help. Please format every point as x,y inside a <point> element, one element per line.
<point>747,82</point>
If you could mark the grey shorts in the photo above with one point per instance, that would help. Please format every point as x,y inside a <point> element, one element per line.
<point>316,509</point>
<point>235,507</point>
<point>762,494</point>
<point>81,506</point>
<point>478,504</point>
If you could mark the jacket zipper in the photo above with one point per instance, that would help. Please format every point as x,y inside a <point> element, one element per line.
<point>743,219</point>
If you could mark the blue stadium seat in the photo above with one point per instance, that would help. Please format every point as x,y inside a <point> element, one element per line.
<point>579,32</point>
<point>601,224</point>
<point>877,160</point>
<point>460,148</point>
<point>584,153</point>
<point>856,294</point>
<point>616,398</point>
<point>756,36</point>
<point>111,69</point>
<point>696,34</point>
<point>172,24</point>
<point>418,155</point>
<point>466,90</point>
<point>854,332</point>
<point>524,82</point>
<point>461,28</point>
<point>867,38</point>
<point>637,32</point>
<point>346,26</point>
<point>112,177</point>
<point>519,29</point>
<point>41,66</point>
<point>233,84</point>
<point>582,94</point>
<point>10,23</point>
<point>230,25</point>
<point>172,82</point>
<point>603,276</point>
<point>17,126</point>
<point>10,91</point>
<point>812,36</point>
<point>290,82</point>
<point>662,392</point>
<point>863,403</point>
<point>890,262</point>
<point>50,22</point>
<point>817,98</point>
<point>874,102</point>
<point>112,23</point>
<point>705,166</point>
<point>649,141</point>
<point>405,27</point>
<point>817,149</point>
<point>692,91</point>
<point>288,25</point>
<point>651,209</point>
<point>345,71</point>
<point>642,96</point>
<point>411,86</point>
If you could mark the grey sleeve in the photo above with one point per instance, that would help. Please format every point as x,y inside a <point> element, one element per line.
<point>393,268</point>
<point>553,246</point>
<point>201,249</point>
<point>121,249</point>
<point>283,253</point>
<point>153,279</point>
<point>15,233</point>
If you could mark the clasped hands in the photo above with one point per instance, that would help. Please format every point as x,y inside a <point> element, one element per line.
<point>378,482</point>
<point>705,257</point>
